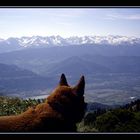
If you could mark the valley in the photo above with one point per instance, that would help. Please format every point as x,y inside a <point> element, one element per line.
<point>112,72</point>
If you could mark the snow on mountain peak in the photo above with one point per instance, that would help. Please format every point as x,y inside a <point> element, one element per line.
<point>74,40</point>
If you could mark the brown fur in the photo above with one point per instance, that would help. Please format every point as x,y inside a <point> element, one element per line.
<point>60,112</point>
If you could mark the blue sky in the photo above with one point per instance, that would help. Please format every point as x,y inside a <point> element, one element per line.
<point>17,22</point>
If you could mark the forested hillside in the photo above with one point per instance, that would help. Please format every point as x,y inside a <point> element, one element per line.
<point>121,119</point>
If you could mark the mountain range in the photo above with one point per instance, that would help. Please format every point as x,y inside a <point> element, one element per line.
<point>31,66</point>
<point>12,43</point>
<point>15,81</point>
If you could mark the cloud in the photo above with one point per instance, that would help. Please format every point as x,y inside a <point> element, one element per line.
<point>123,17</point>
<point>64,23</point>
<point>65,13</point>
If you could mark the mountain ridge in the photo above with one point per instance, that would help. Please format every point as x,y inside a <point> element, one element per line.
<point>49,41</point>
<point>15,81</point>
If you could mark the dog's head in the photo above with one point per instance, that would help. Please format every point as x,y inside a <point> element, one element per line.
<point>69,101</point>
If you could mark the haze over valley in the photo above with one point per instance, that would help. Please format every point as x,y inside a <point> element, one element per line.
<point>112,70</point>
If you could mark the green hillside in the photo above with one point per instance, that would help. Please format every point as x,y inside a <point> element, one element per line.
<point>122,119</point>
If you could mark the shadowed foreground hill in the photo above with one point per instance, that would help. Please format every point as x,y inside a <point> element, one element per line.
<point>122,119</point>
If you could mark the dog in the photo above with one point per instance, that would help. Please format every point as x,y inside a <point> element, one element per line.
<point>60,112</point>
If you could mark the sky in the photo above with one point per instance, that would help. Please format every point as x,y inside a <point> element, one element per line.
<point>66,22</point>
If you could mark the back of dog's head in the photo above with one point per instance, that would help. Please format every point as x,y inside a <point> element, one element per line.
<point>69,101</point>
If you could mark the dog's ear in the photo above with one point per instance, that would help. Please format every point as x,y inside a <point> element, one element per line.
<point>80,87</point>
<point>63,80</point>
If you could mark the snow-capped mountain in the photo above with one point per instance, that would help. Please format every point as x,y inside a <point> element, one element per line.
<point>113,40</point>
<point>48,41</point>
<point>41,41</point>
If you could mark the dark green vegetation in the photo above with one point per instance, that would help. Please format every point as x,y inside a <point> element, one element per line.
<point>98,118</point>
<point>122,119</point>
<point>11,106</point>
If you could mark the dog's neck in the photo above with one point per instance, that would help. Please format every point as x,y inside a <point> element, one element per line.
<point>58,108</point>
<point>66,114</point>
<point>61,121</point>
